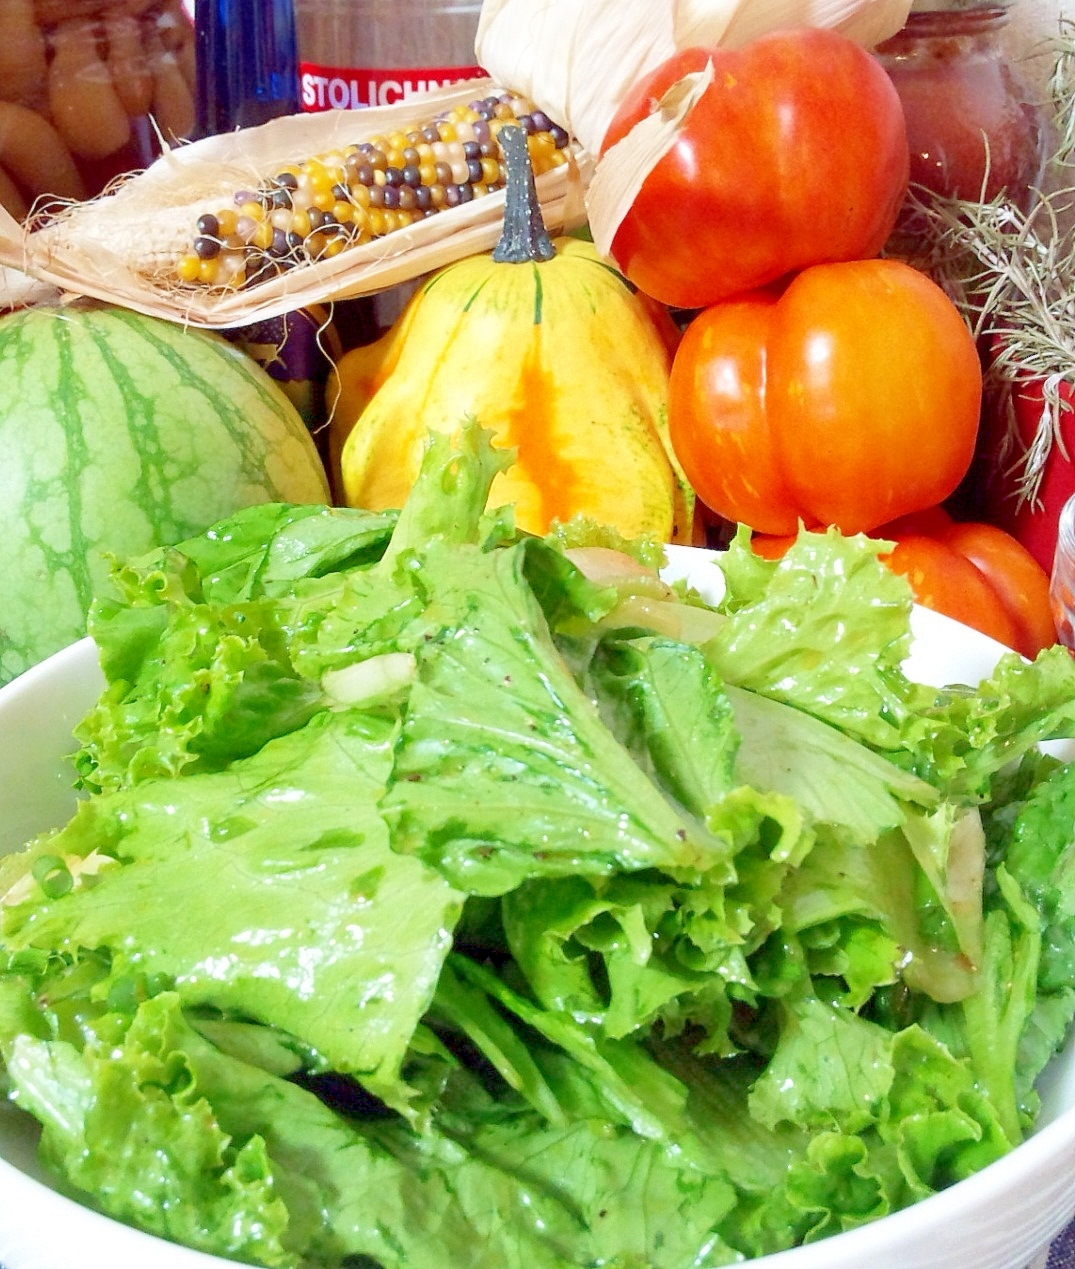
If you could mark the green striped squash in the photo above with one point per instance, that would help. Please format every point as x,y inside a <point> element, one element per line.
<point>119,433</point>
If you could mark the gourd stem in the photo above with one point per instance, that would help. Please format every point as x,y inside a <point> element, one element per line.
<point>524,238</point>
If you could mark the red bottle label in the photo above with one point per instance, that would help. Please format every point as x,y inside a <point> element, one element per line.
<point>344,88</point>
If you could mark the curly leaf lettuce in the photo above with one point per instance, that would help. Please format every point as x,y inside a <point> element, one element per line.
<point>435,905</point>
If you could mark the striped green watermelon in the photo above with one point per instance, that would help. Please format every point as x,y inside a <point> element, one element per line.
<point>119,433</point>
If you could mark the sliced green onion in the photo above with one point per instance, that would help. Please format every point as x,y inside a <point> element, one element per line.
<point>52,875</point>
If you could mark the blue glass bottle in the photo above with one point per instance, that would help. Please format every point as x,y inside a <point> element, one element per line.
<point>247,63</point>
<point>247,68</point>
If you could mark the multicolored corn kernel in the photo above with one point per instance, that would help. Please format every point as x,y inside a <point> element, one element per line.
<point>316,208</point>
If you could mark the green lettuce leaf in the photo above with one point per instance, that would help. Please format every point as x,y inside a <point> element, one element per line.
<point>671,707</point>
<point>967,736</point>
<point>129,1127</point>
<point>831,1070</point>
<point>306,919</point>
<point>504,769</point>
<point>885,886</point>
<point>829,775</point>
<point>826,629</point>
<point>425,912</point>
<point>168,1132</point>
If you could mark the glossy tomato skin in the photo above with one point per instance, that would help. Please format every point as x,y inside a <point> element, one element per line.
<point>946,581</point>
<point>934,522</point>
<point>880,390</point>
<point>718,417</point>
<point>773,546</point>
<point>848,398</point>
<point>796,154</point>
<point>1017,584</point>
<point>1016,576</point>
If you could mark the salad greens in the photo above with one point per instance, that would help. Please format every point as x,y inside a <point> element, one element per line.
<point>437,904</point>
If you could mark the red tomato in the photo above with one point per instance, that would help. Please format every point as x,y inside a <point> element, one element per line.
<point>772,546</point>
<point>796,154</point>
<point>1016,576</point>
<point>948,582</point>
<point>1012,605</point>
<point>849,398</point>
<point>933,522</point>
<point>670,331</point>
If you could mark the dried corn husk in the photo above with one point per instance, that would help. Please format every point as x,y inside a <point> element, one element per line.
<point>17,290</point>
<point>578,60</point>
<point>121,247</point>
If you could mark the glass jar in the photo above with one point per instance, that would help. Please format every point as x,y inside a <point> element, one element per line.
<point>1062,590</point>
<point>79,84</point>
<point>972,124</point>
<point>247,74</point>
<point>247,58</point>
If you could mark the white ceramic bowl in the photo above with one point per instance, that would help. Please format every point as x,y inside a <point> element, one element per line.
<point>1000,1219</point>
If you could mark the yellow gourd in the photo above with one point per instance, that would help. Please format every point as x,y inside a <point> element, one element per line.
<point>544,344</point>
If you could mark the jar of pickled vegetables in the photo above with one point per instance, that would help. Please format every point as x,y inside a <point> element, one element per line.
<point>80,82</point>
<point>973,125</point>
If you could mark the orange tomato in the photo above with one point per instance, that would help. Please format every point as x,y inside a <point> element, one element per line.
<point>772,546</point>
<point>1016,576</point>
<point>976,573</point>
<point>948,582</point>
<point>933,522</point>
<point>847,398</point>
<point>973,572</point>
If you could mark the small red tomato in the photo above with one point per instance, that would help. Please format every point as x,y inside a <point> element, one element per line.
<point>942,579</point>
<point>795,154</point>
<point>772,546</point>
<point>933,551</point>
<point>933,522</point>
<point>1016,576</point>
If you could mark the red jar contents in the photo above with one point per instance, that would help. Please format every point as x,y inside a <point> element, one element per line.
<point>1062,588</point>
<point>972,125</point>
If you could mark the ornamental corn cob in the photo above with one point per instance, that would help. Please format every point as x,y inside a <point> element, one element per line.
<point>316,208</point>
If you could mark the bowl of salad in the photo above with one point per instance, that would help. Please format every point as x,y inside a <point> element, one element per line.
<point>400,890</point>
